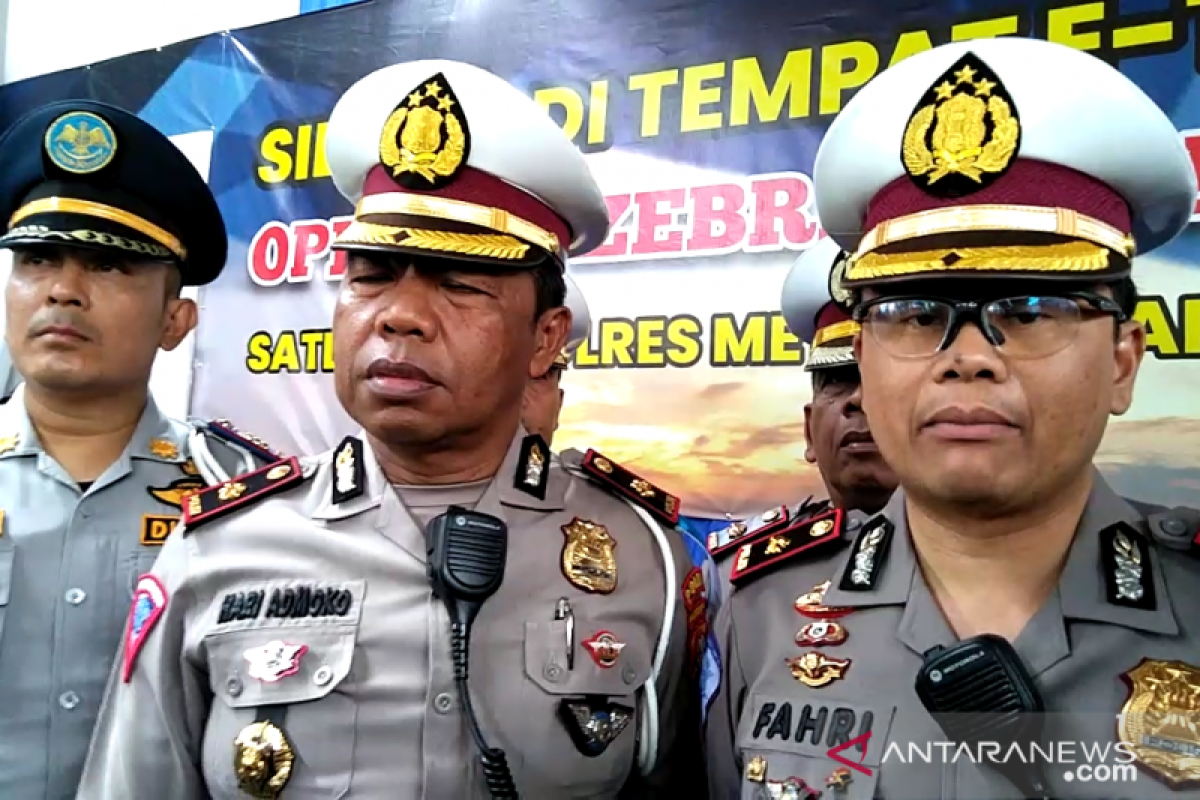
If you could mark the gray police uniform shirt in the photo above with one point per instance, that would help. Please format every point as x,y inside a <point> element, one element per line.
<point>371,709</point>
<point>69,560</point>
<point>1092,651</point>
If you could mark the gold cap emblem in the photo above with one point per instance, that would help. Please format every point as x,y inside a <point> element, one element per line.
<point>426,141</point>
<point>964,132</point>
<point>837,277</point>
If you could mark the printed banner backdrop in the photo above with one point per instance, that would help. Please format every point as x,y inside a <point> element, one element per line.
<point>701,120</point>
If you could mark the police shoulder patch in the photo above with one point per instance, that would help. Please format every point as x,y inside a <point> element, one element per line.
<point>603,470</point>
<point>214,502</point>
<point>724,541</point>
<point>810,537</point>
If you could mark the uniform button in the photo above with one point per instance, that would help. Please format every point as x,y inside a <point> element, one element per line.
<point>68,700</point>
<point>853,525</point>
<point>233,687</point>
<point>323,675</point>
<point>553,673</point>
<point>76,596</point>
<point>1173,526</point>
<point>443,703</point>
<point>629,675</point>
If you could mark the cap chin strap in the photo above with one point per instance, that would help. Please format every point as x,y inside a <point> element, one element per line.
<point>648,705</point>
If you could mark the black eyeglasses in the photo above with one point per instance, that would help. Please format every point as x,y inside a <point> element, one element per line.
<point>1035,326</point>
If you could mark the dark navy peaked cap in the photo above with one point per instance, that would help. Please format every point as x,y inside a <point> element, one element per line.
<point>86,174</point>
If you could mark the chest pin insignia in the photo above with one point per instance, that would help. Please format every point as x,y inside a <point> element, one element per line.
<point>262,760</point>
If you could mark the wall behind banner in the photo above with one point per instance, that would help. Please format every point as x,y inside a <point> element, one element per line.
<point>701,123</point>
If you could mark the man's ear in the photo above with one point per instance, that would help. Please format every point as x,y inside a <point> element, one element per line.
<point>810,454</point>
<point>857,347</point>
<point>1128,352</point>
<point>553,328</point>
<point>178,321</point>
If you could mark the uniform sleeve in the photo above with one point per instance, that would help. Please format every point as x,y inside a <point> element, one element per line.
<point>720,731</point>
<point>678,771</point>
<point>148,739</point>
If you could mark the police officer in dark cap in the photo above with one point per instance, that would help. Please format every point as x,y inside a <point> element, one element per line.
<point>106,220</point>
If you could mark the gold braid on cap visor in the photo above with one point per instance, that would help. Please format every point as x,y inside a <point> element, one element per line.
<point>511,240</point>
<point>1093,242</point>
<point>87,208</point>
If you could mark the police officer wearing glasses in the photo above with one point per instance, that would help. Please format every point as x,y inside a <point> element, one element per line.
<point>993,195</point>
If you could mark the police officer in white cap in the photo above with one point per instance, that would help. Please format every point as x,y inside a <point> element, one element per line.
<point>836,432</point>
<point>992,195</point>
<point>434,608</point>
<point>544,396</point>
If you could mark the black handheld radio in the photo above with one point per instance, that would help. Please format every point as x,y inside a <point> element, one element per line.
<point>979,691</point>
<point>466,553</point>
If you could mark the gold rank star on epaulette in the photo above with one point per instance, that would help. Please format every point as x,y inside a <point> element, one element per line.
<point>724,541</point>
<point>605,471</point>
<point>217,501</point>
<point>813,535</point>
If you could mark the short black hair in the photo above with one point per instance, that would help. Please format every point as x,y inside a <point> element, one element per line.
<point>1125,294</point>
<point>549,286</point>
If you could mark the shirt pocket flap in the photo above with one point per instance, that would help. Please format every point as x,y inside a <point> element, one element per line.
<point>279,666</point>
<point>546,663</point>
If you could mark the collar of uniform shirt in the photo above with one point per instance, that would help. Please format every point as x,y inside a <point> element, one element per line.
<point>152,427</point>
<point>1081,584</point>
<point>508,494</point>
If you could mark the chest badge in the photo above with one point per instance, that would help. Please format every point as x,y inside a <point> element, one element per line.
<point>605,649</point>
<point>274,661</point>
<point>839,780</point>
<point>811,604</point>
<point>822,633</point>
<point>791,789</point>
<point>815,669</point>
<point>589,560</point>
<point>593,723</point>
<point>262,760</point>
<point>1160,722</point>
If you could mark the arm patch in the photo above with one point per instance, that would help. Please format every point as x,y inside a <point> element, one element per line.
<point>603,470</point>
<point>217,501</point>
<point>812,536</point>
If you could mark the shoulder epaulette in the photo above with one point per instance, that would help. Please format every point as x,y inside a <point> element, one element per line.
<point>225,430</point>
<point>812,536</point>
<point>611,475</point>
<point>214,502</point>
<point>1177,528</point>
<point>723,542</point>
